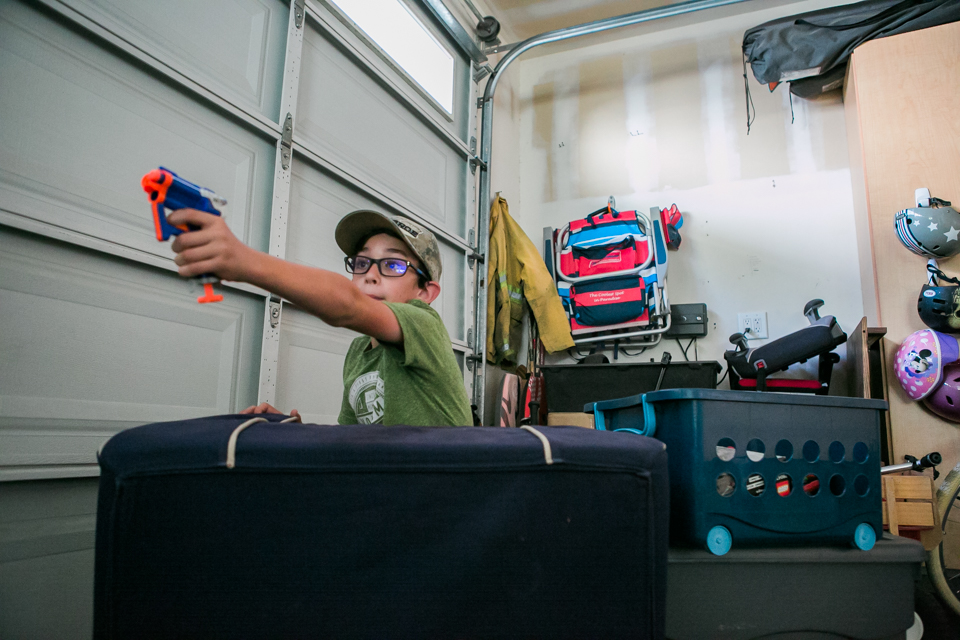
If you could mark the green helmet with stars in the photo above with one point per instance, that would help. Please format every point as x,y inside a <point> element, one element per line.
<point>930,231</point>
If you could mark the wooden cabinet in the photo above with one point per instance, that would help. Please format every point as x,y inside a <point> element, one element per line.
<point>902,103</point>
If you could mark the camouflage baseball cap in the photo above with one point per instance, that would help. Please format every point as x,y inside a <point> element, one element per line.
<point>359,225</point>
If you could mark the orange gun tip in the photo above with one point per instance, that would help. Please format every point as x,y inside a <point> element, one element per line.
<point>153,179</point>
<point>209,295</point>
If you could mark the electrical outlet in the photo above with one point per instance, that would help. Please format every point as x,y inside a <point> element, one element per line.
<point>753,325</point>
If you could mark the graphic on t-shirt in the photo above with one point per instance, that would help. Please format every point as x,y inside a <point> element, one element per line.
<point>366,398</point>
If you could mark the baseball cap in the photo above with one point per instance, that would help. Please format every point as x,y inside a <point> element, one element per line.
<point>360,224</point>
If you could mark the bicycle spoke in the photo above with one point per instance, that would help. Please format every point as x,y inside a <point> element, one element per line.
<point>946,579</point>
<point>952,576</point>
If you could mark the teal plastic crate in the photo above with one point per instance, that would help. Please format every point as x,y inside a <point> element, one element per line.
<point>758,469</point>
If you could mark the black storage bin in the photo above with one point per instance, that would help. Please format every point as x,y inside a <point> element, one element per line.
<point>379,532</point>
<point>571,386</point>
<point>809,592</point>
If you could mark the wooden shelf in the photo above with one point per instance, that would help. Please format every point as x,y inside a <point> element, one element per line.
<point>903,133</point>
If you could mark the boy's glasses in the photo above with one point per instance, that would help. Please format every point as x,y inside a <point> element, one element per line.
<point>388,267</point>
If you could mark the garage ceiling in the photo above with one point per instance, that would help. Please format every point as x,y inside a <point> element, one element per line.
<point>527,18</point>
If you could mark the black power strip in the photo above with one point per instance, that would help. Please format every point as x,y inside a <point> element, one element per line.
<point>688,321</point>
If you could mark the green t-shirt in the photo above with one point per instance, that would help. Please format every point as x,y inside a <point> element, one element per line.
<point>418,383</point>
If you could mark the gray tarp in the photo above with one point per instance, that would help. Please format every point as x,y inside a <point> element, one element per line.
<point>810,50</point>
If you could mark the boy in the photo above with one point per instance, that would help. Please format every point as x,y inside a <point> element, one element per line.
<point>402,370</point>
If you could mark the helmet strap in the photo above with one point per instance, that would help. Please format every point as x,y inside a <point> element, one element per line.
<point>936,274</point>
<point>937,202</point>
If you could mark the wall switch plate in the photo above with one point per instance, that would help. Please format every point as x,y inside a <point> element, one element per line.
<point>753,325</point>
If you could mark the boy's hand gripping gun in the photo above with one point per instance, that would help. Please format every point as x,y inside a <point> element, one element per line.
<point>167,190</point>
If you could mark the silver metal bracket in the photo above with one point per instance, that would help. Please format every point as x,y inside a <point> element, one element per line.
<point>286,142</point>
<point>473,145</point>
<point>498,48</point>
<point>475,162</point>
<point>274,312</point>
<point>470,335</point>
<point>298,6</point>
<point>474,254</point>
<point>471,360</point>
<point>481,72</point>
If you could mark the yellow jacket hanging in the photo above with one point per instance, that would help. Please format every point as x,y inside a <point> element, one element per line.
<point>516,271</point>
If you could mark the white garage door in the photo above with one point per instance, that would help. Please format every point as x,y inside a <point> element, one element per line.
<point>97,332</point>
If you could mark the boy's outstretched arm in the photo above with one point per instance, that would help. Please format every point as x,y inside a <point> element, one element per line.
<point>333,298</point>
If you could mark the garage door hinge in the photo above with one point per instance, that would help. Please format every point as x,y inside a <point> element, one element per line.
<point>274,312</point>
<point>286,142</point>
<point>298,12</point>
<point>476,162</point>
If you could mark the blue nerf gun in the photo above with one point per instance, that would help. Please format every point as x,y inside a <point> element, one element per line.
<point>167,190</point>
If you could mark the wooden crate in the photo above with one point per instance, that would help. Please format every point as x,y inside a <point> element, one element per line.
<point>909,508</point>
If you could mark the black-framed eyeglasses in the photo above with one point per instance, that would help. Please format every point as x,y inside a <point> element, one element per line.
<point>388,267</point>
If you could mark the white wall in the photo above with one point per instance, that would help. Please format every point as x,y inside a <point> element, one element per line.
<point>659,118</point>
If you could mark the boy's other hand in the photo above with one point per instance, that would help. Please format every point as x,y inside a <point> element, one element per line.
<point>264,407</point>
<point>211,248</point>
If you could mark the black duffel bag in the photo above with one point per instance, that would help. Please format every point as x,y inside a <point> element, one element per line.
<point>810,50</point>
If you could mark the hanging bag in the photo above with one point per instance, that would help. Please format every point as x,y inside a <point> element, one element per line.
<point>609,301</point>
<point>591,261</point>
<point>607,243</point>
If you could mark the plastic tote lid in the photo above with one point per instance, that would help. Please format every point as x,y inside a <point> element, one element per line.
<point>764,397</point>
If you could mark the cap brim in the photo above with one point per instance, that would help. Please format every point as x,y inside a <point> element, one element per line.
<point>359,225</point>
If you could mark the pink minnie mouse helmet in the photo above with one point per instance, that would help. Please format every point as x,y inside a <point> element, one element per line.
<point>921,359</point>
<point>945,400</point>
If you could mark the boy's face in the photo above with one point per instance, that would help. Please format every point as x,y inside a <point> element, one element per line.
<point>391,289</point>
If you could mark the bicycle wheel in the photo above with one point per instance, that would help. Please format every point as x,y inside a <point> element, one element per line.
<point>944,572</point>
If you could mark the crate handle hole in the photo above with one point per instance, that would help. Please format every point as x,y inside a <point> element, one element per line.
<point>756,484</point>
<point>861,452</point>
<point>726,485</point>
<point>726,449</point>
<point>837,485</point>
<point>784,485</point>
<point>837,452</point>
<point>756,449</point>
<point>784,451</point>
<point>861,484</point>
<point>811,484</point>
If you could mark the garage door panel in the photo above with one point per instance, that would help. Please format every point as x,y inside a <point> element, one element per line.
<point>235,47</point>
<point>82,127</point>
<point>317,203</point>
<point>88,339</point>
<point>362,129</point>
<point>461,97</point>
<point>310,374</point>
<point>449,304</point>
<point>337,22</point>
